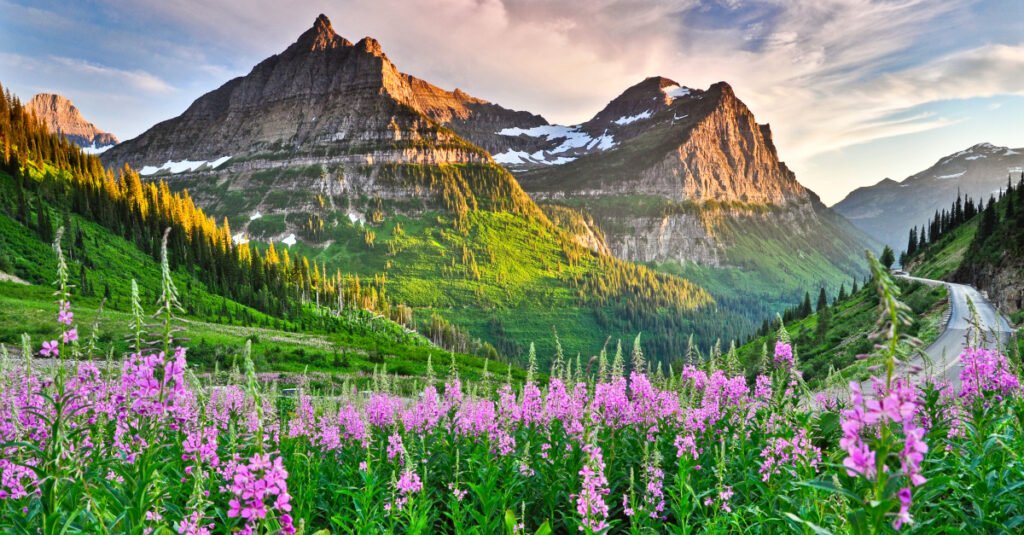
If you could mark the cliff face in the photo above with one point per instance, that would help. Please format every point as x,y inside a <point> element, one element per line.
<point>62,117</point>
<point>688,177</point>
<point>887,210</point>
<point>330,112</point>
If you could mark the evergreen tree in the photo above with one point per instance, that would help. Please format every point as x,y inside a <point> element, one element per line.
<point>822,301</point>
<point>989,220</point>
<point>805,307</point>
<point>824,319</point>
<point>888,257</point>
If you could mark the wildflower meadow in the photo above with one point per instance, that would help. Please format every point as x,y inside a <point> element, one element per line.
<point>95,442</point>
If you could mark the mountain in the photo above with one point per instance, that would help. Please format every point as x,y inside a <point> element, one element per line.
<point>62,117</point>
<point>329,150</point>
<point>687,180</point>
<point>887,210</point>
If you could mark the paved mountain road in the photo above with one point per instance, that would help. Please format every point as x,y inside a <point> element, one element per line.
<point>944,354</point>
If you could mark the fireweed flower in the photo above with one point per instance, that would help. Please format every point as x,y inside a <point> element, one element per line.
<point>65,315</point>
<point>897,407</point>
<point>984,372</point>
<point>257,488</point>
<point>590,502</point>
<point>50,349</point>
<point>407,485</point>
<point>783,355</point>
<point>789,453</point>
<point>70,335</point>
<point>395,447</point>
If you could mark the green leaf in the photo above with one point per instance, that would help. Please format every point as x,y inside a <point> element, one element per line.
<point>828,486</point>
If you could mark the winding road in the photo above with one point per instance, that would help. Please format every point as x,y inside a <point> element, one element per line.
<point>993,331</point>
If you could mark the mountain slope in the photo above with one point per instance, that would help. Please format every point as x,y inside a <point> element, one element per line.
<point>887,210</point>
<point>62,117</point>
<point>688,181</point>
<point>329,150</point>
<point>834,341</point>
<point>229,293</point>
<point>986,251</point>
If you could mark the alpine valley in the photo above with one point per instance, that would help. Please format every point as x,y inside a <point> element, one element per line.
<point>666,213</point>
<point>331,298</point>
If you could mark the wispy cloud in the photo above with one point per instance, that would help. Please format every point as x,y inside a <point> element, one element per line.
<point>137,79</point>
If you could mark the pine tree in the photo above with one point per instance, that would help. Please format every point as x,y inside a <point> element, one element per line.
<point>822,301</point>
<point>824,319</point>
<point>888,257</point>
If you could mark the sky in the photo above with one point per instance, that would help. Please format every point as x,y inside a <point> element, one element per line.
<point>855,90</point>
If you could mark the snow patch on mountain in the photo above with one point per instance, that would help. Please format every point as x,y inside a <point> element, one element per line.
<point>93,149</point>
<point>549,131</point>
<point>954,175</point>
<point>290,240</point>
<point>675,91</point>
<point>175,167</point>
<point>513,157</point>
<point>256,215</point>
<point>622,121</point>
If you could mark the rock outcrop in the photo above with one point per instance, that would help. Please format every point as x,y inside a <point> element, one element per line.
<point>62,117</point>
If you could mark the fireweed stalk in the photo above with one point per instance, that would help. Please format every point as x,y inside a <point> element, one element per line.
<point>882,435</point>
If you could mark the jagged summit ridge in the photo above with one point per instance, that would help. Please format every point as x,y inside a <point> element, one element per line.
<point>323,93</point>
<point>321,36</point>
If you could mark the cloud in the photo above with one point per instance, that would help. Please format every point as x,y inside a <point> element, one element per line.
<point>138,79</point>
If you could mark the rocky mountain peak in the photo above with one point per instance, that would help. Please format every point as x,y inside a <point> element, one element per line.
<point>61,116</point>
<point>321,36</point>
<point>641,100</point>
<point>370,46</point>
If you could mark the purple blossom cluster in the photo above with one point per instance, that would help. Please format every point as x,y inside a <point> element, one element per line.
<point>590,501</point>
<point>789,453</point>
<point>257,486</point>
<point>891,417</point>
<point>986,372</point>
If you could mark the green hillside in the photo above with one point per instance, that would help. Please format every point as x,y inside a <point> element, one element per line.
<point>506,274</point>
<point>985,250</point>
<point>351,345</point>
<point>836,347</point>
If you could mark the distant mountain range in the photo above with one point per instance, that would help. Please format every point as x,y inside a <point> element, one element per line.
<point>62,117</point>
<point>887,210</point>
<point>327,145</point>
